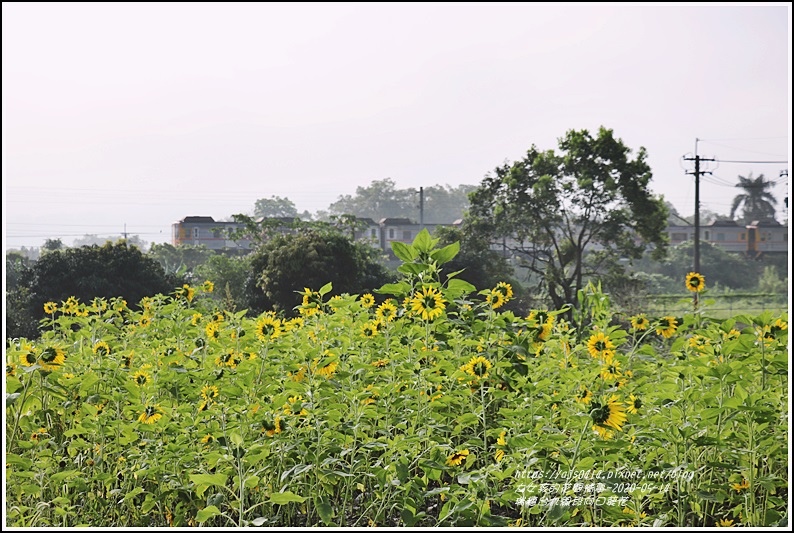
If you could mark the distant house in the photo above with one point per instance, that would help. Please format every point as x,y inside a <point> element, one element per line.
<point>200,230</point>
<point>760,237</point>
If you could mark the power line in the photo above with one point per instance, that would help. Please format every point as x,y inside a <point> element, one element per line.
<point>753,162</point>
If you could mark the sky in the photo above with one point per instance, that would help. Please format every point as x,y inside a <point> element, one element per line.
<point>131,116</point>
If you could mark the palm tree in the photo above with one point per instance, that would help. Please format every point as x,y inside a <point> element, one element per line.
<point>758,203</point>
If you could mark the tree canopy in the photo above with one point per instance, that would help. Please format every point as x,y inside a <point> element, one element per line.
<point>441,204</point>
<point>552,209</point>
<point>756,201</point>
<point>312,257</point>
<point>88,272</point>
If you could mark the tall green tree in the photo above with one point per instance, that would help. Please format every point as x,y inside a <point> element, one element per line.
<point>278,207</point>
<point>86,273</point>
<point>755,199</point>
<point>310,258</point>
<point>381,199</point>
<point>552,209</point>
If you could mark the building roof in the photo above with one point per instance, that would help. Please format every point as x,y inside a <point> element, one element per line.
<point>395,222</point>
<point>188,220</point>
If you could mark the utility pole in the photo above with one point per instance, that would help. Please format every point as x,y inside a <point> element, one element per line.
<point>422,207</point>
<point>125,231</point>
<point>697,159</point>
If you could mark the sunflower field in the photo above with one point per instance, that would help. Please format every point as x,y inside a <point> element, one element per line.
<point>424,404</point>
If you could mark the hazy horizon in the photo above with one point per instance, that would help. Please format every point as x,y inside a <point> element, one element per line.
<point>143,114</point>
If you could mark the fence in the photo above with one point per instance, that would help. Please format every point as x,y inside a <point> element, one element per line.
<point>719,305</point>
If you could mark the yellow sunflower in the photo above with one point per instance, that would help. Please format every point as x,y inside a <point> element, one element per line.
<point>667,326</point>
<point>600,346</point>
<point>478,367</point>
<point>52,358</point>
<point>208,286</point>
<point>367,300</point>
<point>429,304</point>
<point>584,396</point>
<point>640,322</point>
<point>150,414</point>
<point>633,405</point>
<point>141,378</point>
<point>609,415</point>
<point>387,311</point>
<point>457,458</point>
<point>695,282</point>
<point>50,308</point>
<point>268,327</point>
<point>101,348</point>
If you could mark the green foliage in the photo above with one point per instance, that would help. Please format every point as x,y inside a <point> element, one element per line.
<point>181,260</point>
<point>112,270</point>
<point>770,282</point>
<point>278,207</point>
<point>310,258</point>
<point>553,208</point>
<point>175,415</point>
<point>229,275</point>
<point>442,204</point>
<point>756,201</point>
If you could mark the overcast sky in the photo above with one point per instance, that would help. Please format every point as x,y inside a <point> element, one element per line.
<point>144,113</point>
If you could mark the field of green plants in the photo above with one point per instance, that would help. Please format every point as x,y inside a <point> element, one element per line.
<point>423,404</point>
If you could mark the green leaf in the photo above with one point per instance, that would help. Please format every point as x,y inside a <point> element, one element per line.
<point>324,509</point>
<point>403,251</point>
<point>458,287</point>
<point>423,242</point>
<point>11,398</point>
<point>325,289</point>
<point>446,254</point>
<point>207,513</point>
<point>281,498</point>
<point>412,268</point>
<point>395,289</point>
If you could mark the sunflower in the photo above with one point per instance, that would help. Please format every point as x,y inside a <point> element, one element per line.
<point>633,405</point>
<point>370,329</point>
<point>212,330</point>
<point>52,358</point>
<point>150,414</point>
<point>428,304</point>
<point>195,319</point>
<point>380,363</point>
<point>145,321</point>
<point>208,286</point>
<point>501,443</point>
<point>738,487</point>
<point>695,282</point>
<point>495,299</point>
<point>11,369</point>
<point>50,308</point>
<point>584,396</point>
<point>294,406</point>
<point>209,392</point>
<point>367,301</point>
<point>505,289</point>
<point>28,356</point>
<point>268,327</point>
<point>611,369</point>
<point>610,415</point>
<point>667,326</point>
<point>206,439</point>
<point>600,346</point>
<point>119,304</point>
<point>478,367</point>
<point>328,370</point>
<point>699,342</point>
<point>101,349</point>
<point>141,378</point>
<point>188,292</point>
<point>126,360</point>
<point>230,359</point>
<point>70,305</point>
<point>640,322</point>
<point>540,325</point>
<point>386,311</point>
<point>457,458</point>
<point>724,522</point>
<point>272,428</point>
<point>99,305</point>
